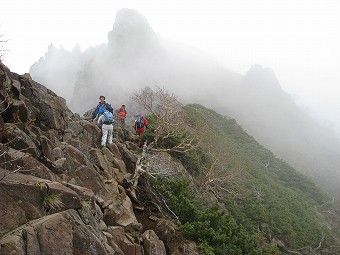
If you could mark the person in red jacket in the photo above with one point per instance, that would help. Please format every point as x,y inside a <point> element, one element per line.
<point>140,124</point>
<point>122,113</point>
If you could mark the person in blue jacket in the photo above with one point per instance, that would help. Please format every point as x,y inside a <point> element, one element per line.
<point>101,108</point>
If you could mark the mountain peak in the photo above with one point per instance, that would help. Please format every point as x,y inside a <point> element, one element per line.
<point>131,31</point>
<point>260,77</point>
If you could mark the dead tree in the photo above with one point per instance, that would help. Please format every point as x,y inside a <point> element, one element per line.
<point>216,179</point>
<point>169,119</point>
<point>258,193</point>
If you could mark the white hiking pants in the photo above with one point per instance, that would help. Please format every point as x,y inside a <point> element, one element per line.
<point>107,134</point>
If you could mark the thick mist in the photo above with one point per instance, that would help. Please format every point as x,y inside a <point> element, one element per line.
<point>135,56</point>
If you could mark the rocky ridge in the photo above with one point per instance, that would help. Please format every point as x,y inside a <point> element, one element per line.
<point>61,193</point>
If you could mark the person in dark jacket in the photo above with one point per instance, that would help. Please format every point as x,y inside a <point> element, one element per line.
<point>101,108</point>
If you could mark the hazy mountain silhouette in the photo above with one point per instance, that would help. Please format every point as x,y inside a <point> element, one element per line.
<point>135,57</point>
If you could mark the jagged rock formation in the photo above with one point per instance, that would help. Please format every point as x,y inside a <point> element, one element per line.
<point>60,193</point>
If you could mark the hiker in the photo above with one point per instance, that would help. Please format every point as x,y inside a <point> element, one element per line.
<point>105,121</point>
<point>101,108</point>
<point>122,113</point>
<point>140,124</point>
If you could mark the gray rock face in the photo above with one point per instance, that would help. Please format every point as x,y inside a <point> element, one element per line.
<point>59,233</point>
<point>53,112</point>
<point>20,140</point>
<point>25,198</point>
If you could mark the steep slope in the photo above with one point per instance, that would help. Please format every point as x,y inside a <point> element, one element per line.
<point>260,190</point>
<point>59,192</point>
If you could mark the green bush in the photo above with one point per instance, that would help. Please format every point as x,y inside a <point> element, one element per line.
<point>215,231</point>
<point>289,198</point>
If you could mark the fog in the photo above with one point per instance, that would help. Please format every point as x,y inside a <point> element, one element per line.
<point>265,65</point>
<point>299,40</point>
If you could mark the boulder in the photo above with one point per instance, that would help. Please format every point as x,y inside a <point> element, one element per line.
<point>47,148</point>
<point>59,233</point>
<point>134,230</point>
<point>59,166</point>
<point>16,85</point>
<point>34,132</point>
<point>129,158</point>
<point>118,163</point>
<point>17,112</point>
<point>118,175</point>
<point>74,155</point>
<point>111,242</point>
<point>74,158</point>
<point>57,153</point>
<point>126,245</point>
<point>114,149</point>
<point>33,167</point>
<point>19,140</point>
<point>87,177</point>
<point>90,211</point>
<point>120,213</point>
<point>27,198</point>
<point>85,194</point>
<point>15,160</point>
<point>86,131</point>
<point>100,160</point>
<point>152,244</point>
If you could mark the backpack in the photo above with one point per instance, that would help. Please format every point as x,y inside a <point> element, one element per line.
<point>101,109</point>
<point>139,121</point>
<point>108,117</point>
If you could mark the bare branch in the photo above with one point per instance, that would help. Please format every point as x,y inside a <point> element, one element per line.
<point>295,252</point>
<point>258,193</point>
<point>169,119</point>
<point>329,212</point>
<point>320,243</point>
<point>327,203</point>
<point>167,207</point>
<point>267,164</point>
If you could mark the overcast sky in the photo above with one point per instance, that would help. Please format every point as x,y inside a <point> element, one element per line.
<point>298,39</point>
